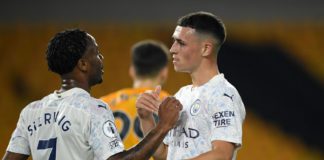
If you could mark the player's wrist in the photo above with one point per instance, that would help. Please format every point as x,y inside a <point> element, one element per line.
<point>146,117</point>
<point>164,127</point>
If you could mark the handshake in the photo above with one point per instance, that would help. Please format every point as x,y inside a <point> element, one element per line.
<point>167,110</point>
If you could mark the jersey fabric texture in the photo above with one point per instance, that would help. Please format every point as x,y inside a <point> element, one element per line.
<point>70,125</point>
<point>123,105</point>
<point>213,111</point>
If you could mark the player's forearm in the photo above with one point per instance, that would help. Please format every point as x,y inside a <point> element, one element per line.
<point>161,152</point>
<point>147,124</point>
<point>146,148</point>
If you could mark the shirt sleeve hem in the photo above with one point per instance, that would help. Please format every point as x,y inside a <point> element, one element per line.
<point>19,151</point>
<point>108,154</point>
<point>236,141</point>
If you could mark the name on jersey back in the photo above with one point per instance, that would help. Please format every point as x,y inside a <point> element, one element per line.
<point>48,119</point>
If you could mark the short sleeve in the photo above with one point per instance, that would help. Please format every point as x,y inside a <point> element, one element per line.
<point>104,136</point>
<point>19,139</point>
<point>166,139</point>
<point>225,120</point>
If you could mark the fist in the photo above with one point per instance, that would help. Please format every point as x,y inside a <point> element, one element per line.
<point>169,112</point>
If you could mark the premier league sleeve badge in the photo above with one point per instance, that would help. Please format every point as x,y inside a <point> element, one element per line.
<point>109,129</point>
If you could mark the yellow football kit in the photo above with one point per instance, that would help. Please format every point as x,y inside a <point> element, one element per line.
<point>122,103</point>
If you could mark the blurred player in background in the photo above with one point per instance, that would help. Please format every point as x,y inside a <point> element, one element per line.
<point>69,123</point>
<point>149,68</point>
<point>210,125</point>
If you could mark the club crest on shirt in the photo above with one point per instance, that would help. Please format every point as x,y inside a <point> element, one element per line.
<point>195,107</point>
<point>109,129</point>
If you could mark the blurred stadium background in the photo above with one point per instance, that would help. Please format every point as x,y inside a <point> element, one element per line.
<point>273,55</point>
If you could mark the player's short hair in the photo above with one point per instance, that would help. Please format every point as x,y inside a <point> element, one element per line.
<point>205,22</point>
<point>149,57</point>
<point>65,49</point>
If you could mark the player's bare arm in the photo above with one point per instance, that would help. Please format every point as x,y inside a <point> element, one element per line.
<point>221,150</point>
<point>168,114</point>
<point>146,104</point>
<point>14,156</point>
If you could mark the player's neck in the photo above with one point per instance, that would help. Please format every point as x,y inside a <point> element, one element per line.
<point>203,74</point>
<point>145,83</point>
<point>68,83</point>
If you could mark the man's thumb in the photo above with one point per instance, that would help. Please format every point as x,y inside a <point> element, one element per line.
<point>157,90</point>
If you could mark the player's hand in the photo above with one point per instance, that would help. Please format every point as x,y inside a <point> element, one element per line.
<point>148,102</point>
<point>169,112</point>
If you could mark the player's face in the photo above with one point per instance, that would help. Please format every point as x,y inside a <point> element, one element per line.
<point>186,49</point>
<point>95,62</point>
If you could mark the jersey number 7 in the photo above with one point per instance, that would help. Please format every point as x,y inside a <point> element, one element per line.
<point>45,144</point>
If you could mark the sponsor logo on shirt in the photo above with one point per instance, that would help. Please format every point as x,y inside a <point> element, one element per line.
<point>177,132</point>
<point>223,118</point>
<point>180,144</point>
<point>183,131</point>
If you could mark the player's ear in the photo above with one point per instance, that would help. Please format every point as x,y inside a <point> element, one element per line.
<point>207,48</point>
<point>132,71</point>
<point>83,65</point>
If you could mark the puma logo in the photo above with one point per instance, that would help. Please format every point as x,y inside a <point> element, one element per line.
<point>226,95</point>
<point>102,106</point>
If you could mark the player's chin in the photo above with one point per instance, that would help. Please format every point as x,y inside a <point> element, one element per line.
<point>99,80</point>
<point>100,77</point>
<point>178,69</point>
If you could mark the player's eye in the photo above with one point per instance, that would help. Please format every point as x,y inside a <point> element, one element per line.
<point>181,43</point>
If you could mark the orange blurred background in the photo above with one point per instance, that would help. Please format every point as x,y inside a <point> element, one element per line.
<point>272,49</point>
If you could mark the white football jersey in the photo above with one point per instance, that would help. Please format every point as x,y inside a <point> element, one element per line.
<point>213,111</point>
<point>70,125</point>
